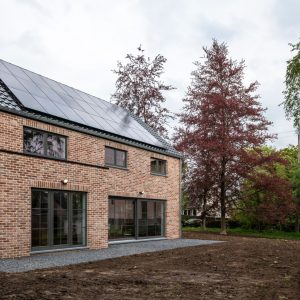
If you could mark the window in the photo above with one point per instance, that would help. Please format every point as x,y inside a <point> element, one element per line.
<point>158,166</point>
<point>135,218</point>
<point>115,157</point>
<point>58,219</point>
<point>44,143</point>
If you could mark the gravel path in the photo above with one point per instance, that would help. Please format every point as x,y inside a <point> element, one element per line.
<point>56,259</point>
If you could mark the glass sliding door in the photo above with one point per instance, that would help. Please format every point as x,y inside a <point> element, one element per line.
<point>150,218</point>
<point>58,219</point>
<point>78,214</point>
<point>40,219</point>
<point>135,218</point>
<point>121,219</point>
<point>61,218</point>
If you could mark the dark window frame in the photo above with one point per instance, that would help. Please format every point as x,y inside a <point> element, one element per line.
<point>45,144</point>
<point>157,162</point>
<point>136,201</point>
<point>50,245</point>
<point>114,165</point>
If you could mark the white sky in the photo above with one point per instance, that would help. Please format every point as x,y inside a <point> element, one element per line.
<point>79,42</point>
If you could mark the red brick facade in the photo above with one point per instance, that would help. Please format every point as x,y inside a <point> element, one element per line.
<point>20,173</point>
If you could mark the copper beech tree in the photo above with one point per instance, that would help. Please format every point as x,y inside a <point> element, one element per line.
<point>267,198</point>
<point>139,89</point>
<point>221,117</point>
<point>198,185</point>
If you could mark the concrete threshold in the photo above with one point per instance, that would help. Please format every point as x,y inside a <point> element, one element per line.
<point>135,241</point>
<point>58,250</point>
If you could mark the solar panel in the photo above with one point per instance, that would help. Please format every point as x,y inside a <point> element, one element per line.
<point>3,68</point>
<point>71,114</point>
<point>28,100</point>
<point>15,70</point>
<point>11,81</point>
<point>51,107</point>
<point>48,96</point>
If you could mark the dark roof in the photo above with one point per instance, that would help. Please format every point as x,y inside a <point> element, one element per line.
<point>34,96</point>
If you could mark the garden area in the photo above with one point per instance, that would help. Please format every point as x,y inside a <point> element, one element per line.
<point>239,268</point>
<point>240,231</point>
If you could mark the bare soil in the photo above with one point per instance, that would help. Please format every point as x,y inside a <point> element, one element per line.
<point>241,268</point>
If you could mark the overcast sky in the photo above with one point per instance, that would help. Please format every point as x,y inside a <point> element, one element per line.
<point>79,42</point>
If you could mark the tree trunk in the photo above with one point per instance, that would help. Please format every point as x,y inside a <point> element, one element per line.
<point>204,223</point>
<point>298,145</point>
<point>204,212</point>
<point>222,198</point>
<point>297,223</point>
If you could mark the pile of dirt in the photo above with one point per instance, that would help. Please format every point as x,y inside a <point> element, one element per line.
<point>240,268</point>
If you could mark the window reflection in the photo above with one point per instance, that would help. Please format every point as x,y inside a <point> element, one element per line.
<point>58,218</point>
<point>121,219</point>
<point>134,218</point>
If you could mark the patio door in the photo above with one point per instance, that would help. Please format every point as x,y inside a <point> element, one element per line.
<point>150,217</point>
<point>58,219</point>
<point>135,218</point>
<point>122,219</point>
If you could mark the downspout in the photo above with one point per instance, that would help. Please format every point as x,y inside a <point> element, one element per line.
<point>180,196</point>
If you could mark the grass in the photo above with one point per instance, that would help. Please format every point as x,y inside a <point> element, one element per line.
<point>271,234</point>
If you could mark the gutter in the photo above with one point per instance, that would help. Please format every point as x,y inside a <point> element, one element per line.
<point>96,133</point>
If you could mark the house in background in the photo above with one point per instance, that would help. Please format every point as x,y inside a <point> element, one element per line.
<point>77,171</point>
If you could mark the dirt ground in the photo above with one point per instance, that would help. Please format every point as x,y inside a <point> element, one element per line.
<point>241,268</point>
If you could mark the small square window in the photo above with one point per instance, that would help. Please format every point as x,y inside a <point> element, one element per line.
<point>115,157</point>
<point>158,166</point>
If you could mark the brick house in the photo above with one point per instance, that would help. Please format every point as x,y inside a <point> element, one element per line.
<point>77,171</point>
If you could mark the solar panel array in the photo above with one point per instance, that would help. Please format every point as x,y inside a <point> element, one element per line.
<point>45,95</point>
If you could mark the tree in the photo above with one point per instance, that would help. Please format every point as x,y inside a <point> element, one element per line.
<point>199,187</point>
<point>268,199</point>
<point>267,194</point>
<point>296,182</point>
<point>139,90</point>
<point>222,116</point>
<point>292,91</point>
<point>292,103</point>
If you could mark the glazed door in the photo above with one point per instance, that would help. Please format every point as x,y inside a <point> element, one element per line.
<point>135,218</point>
<point>58,219</point>
<point>150,218</point>
<point>121,219</point>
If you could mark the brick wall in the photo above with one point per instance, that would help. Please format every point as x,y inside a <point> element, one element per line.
<point>18,174</point>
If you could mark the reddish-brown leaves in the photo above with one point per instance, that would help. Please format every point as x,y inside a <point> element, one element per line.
<point>139,90</point>
<point>223,120</point>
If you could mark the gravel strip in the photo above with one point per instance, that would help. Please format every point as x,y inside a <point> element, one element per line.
<point>57,259</point>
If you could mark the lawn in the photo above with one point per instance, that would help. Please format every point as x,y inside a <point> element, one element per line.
<point>271,234</point>
<point>239,268</point>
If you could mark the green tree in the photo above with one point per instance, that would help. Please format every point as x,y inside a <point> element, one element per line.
<point>292,84</point>
<point>296,181</point>
<point>292,103</point>
<point>289,154</point>
<point>268,194</point>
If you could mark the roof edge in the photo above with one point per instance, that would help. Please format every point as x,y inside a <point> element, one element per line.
<point>67,125</point>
